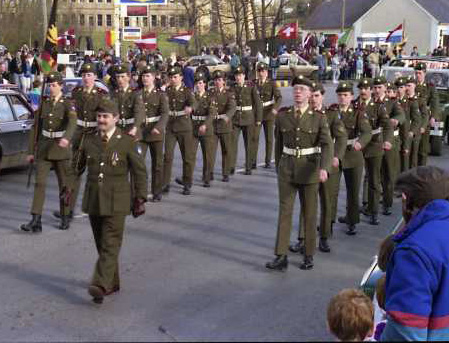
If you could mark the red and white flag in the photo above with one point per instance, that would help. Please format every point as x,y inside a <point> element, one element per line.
<point>288,31</point>
<point>148,42</point>
<point>67,38</point>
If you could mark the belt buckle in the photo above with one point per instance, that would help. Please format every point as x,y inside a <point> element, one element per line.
<point>298,153</point>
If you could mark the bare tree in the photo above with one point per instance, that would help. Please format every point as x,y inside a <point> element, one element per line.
<point>195,10</point>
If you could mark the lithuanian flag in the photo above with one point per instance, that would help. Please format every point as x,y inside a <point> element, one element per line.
<point>49,55</point>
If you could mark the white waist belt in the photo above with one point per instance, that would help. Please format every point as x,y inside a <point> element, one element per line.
<point>126,121</point>
<point>152,119</point>
<point>244,108</point>
<point>301,152</point>
<point>376,131</point>
<point>396,133</point>
<point>86,123</point>
<point>268,103</point>
<point>177,113</point>
<point>202,118</point>
<point>56,134</point>
<point>221,116</point>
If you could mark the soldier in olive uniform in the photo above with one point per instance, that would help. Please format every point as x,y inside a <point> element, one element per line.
<point>428,95</point>
<point>181,103</point>
<point>225,107</point>
<point>129,102</point>
<point>203,129</point>
<point>390,160</point>
<point>86,99</point>
<point>358,129</point>
<point>382,135</point>
<point>303,155</point>
<point>248,113</point>
<point>153,128</point>
<point>412,124</point>
<point>423,120</point>
<point>328,190</point>
<point>49,147</point>
<point>271,99</point>
<point>110,157</point>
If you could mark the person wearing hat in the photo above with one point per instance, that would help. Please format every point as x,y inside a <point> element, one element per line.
<point>418,102</point>
<point>49,148</point>
<point>390,161</point>
<point>86,99</point>
<point>248,114</point>
<point>392,91</point>
<point>181,103</point>
<point>303,155</point>
<point>328,191</point>
<point>271,99</point>
<point>129,102</point>
<point>382,135</point>
<point>110,157</point>
<point>358,130</point>
<point>203,129</point>
<point>427,94</point>
<point>153,127</point>
<point>412,124</point>
<point>224,100</point>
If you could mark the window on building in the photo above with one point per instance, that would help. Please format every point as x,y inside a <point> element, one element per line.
<point>163,20</point>
<point>73,0</point>
<point>182,21</point>
<point>108,1</point>
<point>91,0</point>
<point>126,20</point>
<point>73,18</point>
<point>64,18</point>
<point>108,20</point>
<point>100,1</point>
<point>145,22</point>
<point>82,20</point>
<point>153,20</point>
<point>91,20</point>
<point>137,21</point>
<point>100,19</point>
<point>173,21</point>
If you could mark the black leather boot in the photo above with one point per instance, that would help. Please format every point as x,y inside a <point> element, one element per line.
<point>297,248</point>
<point>279,263</point>
<point>351,231</point>
<point>186,190</point>
<point>35,224</point>
<point>374,220</point>
<point>324,245</point>
<point>166,189</point>
<point>57,214</point>
<point>387,211</point>
<point>307,264</point>
<point>65,223</point>
<point>156,197</point>
<point>225,178</point>
<point>179,181</point>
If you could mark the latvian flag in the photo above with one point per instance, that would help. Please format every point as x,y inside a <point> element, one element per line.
<point>181,38</point>
<point>395,36</point>
<point>147,42</point>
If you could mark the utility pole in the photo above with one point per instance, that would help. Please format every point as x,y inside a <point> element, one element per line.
<point>45,19</point>
<point>343,16</point>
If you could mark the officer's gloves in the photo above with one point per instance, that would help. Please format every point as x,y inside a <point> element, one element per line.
<point>138,207</point>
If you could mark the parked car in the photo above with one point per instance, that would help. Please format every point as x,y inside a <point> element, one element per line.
<point>213,63</point>
<point>287,71</point>
<point>438,75</point>
<point>16,121</point>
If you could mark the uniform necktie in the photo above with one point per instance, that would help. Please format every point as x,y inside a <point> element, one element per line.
<point>104,140</point>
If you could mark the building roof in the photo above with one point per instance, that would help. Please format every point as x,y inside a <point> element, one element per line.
<point>327,16</point>
<point>439,9</point>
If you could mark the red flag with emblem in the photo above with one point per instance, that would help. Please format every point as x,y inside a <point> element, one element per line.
<point>288,31</point>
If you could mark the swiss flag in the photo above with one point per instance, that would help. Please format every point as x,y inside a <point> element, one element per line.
<point>147,42</point>
<point>288,31</point>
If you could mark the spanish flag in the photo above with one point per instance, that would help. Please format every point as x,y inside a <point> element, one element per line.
<point>49,55</point>
<point>110,38</point>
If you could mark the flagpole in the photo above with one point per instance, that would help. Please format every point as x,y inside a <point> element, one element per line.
<point>45,19</point>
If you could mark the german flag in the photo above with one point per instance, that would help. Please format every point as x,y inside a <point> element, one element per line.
<point>49,55</point>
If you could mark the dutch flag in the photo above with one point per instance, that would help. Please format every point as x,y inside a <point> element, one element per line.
<point>395,36</point>
<point>181,38</point>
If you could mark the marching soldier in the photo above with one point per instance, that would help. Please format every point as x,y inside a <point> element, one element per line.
<point>225,103</point>
<point>328,190</point>
<point>429,96</point>
<point>248,113</point>
<point>390,161</point>
<point>271,99</point>
<point>50,138</point>
<point>153,128</point>
<point>86,99</point>
<point>303,155</point>
<point>392,91</point>
<point>358,129</point>
<point>181,103</point>
<point>129,103</point>
<point>382,134</point>
<point>412,124</point>
<point>203,129</point>
<point>110,156</point>
<point>423,120</point>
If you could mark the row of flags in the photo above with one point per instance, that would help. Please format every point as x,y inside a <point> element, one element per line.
<point>149,41</point>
